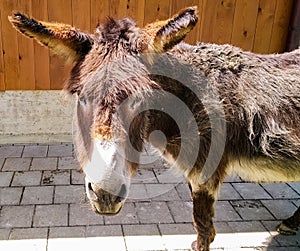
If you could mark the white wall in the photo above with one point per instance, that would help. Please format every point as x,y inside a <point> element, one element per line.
<point>35,117</point>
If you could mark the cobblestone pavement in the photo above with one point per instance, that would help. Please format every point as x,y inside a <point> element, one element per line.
<point>43,207</point>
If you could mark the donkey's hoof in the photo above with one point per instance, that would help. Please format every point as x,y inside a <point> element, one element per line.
<point>285,230</point>
<point>194,247</point>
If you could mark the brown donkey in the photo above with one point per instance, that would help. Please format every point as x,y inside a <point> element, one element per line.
<point>209,109</point>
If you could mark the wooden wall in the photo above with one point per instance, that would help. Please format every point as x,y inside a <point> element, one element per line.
<point>256,25</point>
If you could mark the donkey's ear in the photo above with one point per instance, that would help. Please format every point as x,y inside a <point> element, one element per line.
<point>163,35</point>
<point>62,39</point>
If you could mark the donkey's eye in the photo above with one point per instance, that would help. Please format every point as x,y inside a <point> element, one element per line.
<point>82,100</point>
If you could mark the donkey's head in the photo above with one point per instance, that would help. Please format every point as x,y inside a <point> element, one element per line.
<point>110,82</point>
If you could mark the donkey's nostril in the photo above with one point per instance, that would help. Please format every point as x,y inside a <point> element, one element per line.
<point>90,187</point>
<point>122,194</point>
<point>90,192</point>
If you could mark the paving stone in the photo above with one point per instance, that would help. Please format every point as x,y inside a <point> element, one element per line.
<point>168,176</point>
<point>35,151</point>
<point>80,216</point>
<point>251,191</point>
<point>77,177</point>
<point>68,163</point>
<point>16,164</point>
<point>57,177</point>
<point>44,164</point>
<point>227,192</point>
<point>16,216</point>
<point>251,210</point>
<point>67,232</point>
<point>162,192</point>
<point>154,212</point>
<point>296,202</point>
<point>183,191</point>
<point>225,212</point>
<point>232,178</point>
<point>143,237</point>
<point>10,151</point>
<point>144,176</point>
<point>31,178</point>
<point>38,195</point>
<point>127,215</point>
<point>61,150</point>
<point>246,226</point>
<point>10,195</point>
<point>138,192</point>
<point>4,233</point>
<point>280,191</point>
<point>69,194</point>
<point>103,231</point>
<point>181,211</point>
<point>1,162</point>
<point>5,178</point>
<point>50,215</point>
<point>28,233</point>
<point>281,209</point>
<point>295,186</point>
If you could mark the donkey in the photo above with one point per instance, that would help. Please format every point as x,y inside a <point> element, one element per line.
<point>209,109</point>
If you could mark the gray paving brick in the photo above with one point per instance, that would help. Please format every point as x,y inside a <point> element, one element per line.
<point>57,177</point>
<point>145,229</point>
<point>127,215</point>
<point>1,162</point>
<point>80,216</point>
<point>138,192</point>
<point>10,195</point>
<point>175,229</point>
<point>183,191</point>
<point>281,209</point>
<point>251,191</point>
<point>51,215</point>
<point>28,233</point>
<point>16,216</point>
<point>162,192</point>
<point>69,194</point>
<point>232,178</point>
<point>225,212</point>
<point>67,232</point>
<point>252,210</point>
<point>77,177</point>
<point>280,191</point>
<point>4,233</point>
<point>38,195</point>
<point>101,231</point>
<point>295,186</point>
<point>246,226</point>
<point>168,176</point>
<point>68,163</point>
<point>154,212</point>
<point>144,176</point>
<point>296,202</point>
<point>16,164</point>
<point>44,164</point>
<point>31,178</point>
<point>227,192</point>
<point>35,151</point>
<point>60,150</point>
<point>5,178</point>
<point>7,151</point>
<point>181,211</point>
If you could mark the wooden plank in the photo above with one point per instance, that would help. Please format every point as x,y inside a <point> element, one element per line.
<point>2,83</point>
<point>26,53</point>
<point>280,26</point>
<point>265,20</point>
<point>244,23</point>
<point>192,37</point>
<point>41,53</point>
<point>156,10</point>
<point>99,11</point>
<point>10,46</point>
<point>208,19</point>
<point>135,9</point>
<point>224,21</point>
<point>59,11</point>
<point>117,8</point>
<point>81,11</point>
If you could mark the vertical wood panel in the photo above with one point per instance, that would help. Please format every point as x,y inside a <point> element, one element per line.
<point>244,23</point>
<point>265,19</point>
<point>59,11</point>
<point>2,82</point>
<point>10,47</point>
<point>99,11</point>
<point>281,22</point>
<point>192,37</point>
<point>135,9</point>
<point>156,10</point>
<point>26,52</point>
<point>41,53</point>
<point>81,15</point>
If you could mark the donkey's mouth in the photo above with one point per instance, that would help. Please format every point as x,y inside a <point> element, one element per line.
<point>111,211</point>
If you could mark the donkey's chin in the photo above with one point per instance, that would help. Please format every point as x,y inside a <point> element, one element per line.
<point>109,210</point>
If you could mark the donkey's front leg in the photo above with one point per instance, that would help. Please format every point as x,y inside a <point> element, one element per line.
<point>203,212</point>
